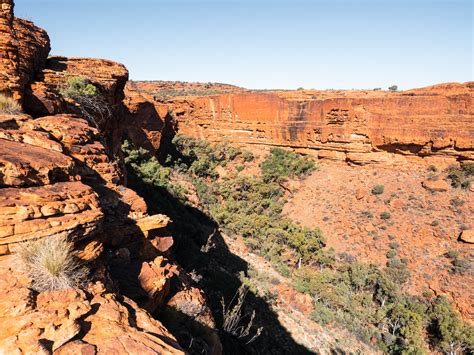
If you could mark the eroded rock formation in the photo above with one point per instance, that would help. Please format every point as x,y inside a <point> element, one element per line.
<point>355,126</point>
<point>60,177</point>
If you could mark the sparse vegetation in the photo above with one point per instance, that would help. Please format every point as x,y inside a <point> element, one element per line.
<point>51,264</point>
<point>8,105</point>
<point>378,190</point>
<point>432,168</point>
<point>461,176</point>
<point>459,265</point>
<point>367,300</point>
<point>385,215</point>
<point>456,201</point>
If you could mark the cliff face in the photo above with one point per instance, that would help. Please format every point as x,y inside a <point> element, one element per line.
<point>354,126</point>
<point>25,48</point>
<point>59,178</point>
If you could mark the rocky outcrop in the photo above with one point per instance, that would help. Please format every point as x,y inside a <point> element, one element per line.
<point>9,63</point>
<point>359,127</point>
<point>43,96</point>
<point>24,51</point>
<point>69,209</point>
<point>92,321</point>
<point>62,178</point>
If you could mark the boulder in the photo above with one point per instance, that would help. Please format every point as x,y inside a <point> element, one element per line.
<point>467,236</point>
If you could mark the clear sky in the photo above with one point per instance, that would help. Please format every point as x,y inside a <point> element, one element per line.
<point>268,44</point>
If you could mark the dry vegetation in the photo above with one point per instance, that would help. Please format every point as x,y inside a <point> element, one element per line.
<point>8,105</point>
<point>51,264</point>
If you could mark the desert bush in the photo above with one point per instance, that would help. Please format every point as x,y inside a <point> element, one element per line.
<point>432,168</point>
<point>90,103</point>
<point>248,156</point>
<point>393,88</point>
<point>456,201</point>
<point>450,334</point>
<point>51,264</point>
<point>378,190</point>
<point>461,176</point>
<point>385,215</point>
<point>8,105</point>
<point>282,164</point>
<point>397,270</point>
<point>77,86</point>
<point>322,314</point>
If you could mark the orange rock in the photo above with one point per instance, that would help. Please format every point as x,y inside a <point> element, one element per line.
<point>367,125</point>
<point>360,194</point>
<point>47,211</point>
<point>435,185</point>
<point>467,236</point>
<point>27,165</point>
<point>62,321</point>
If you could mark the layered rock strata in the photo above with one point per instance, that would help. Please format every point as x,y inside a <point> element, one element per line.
<point>61,178</point>
<point>355,126</point>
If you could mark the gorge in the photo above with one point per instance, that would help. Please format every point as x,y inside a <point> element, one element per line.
<point>333,192</point>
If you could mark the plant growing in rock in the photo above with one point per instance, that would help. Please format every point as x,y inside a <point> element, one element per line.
<point>8,105</point>
<point>89,103</point>
<point>51,264</point>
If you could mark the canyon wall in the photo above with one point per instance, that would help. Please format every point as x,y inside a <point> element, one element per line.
<point>61,178</point>
<point>354,126</point>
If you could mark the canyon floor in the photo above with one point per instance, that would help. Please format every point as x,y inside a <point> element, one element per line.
<point>424,224</point>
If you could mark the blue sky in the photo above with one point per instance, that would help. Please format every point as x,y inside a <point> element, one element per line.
<point>268,44</point>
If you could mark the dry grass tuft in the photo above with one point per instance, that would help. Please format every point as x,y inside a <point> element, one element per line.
<point>51,264</point>
<point>9,105</point>
<point>234,320</point>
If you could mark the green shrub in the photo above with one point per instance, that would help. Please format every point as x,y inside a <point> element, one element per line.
<point>450,334</point>
<point>385,215</point>
<point>432,168</point>
<point>78,86</point>
<point>456,201</point>
<point>378,190</point>
<point>461,176</point>
<point>247,156</point>
<point>391,253</point>
<point>282,164</point>
<point>460,265</point>
<point>322,314</point>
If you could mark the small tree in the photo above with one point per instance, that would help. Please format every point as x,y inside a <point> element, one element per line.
<point>393,88</point>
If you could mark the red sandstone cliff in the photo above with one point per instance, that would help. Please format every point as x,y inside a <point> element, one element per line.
<point>354,126</point>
